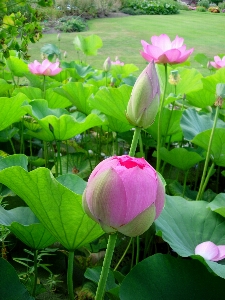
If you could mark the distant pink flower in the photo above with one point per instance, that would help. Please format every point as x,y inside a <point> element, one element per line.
<point>45,68</point>
<point>210,251</point>
<point>117,62</point>
<point>124,194</point>
<point>164,51</point>
<point>218,62</point>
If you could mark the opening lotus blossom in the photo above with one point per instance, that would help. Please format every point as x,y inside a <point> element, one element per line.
<point>218,62</point>
<point>45,68</point>
<point>210,251</point>
<point>124,194</point>
<point>163,51</point>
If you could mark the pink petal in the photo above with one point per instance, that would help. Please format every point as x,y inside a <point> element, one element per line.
<point>217,59</point>
<point>170,56</point>
<point>207,250</point>
<point>184,56</point>
<point>147,56</point>
<point>143,193</point>
<point>163,42</point>
<point>212,63</point>
<point>160,198</point>
<point>221,254</point>
<point>178,42</point>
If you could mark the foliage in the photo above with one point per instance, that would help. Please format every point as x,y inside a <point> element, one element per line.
<point>18,21</point>
<point>201,9</point>
<point>72,25</point>
<point>204,3</point>
<point>147,7</point>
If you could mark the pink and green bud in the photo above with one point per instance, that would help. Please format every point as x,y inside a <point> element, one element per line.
<point>124,194</point>
<point>144,102</point>
<point>107,65</point>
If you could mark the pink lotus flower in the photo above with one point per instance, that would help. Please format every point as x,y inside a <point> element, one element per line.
<point>44,68</point>
<point>124,194</point>
<point>210,251</point>
<point>218,62</point>
<point>144,102</point>
<point>117,62</point>
<point>164,51</point>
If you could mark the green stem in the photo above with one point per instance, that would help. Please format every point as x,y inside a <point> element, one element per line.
<point>135,141</point>
<point>44,90</point>
<point>13,148</point>
<point>159,123</point>
<point>138,249</point>
<point>21,138</point>
<point>58,143</point>
<point>35,273</point>
<point>70,275</point>
<point>105,268</point>
<point>207,177</point>
<point>122,257</point>
<point>141,145</point>
<point>185,182</point>
<point>200,192</point>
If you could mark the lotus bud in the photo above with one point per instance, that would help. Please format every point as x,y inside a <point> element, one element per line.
<point>107,65</point>
<point>124,194</point>
<point>144,102</point>
<point>174,77</point>
<point>58,37</point>
<point>65,54</point>
<point>220,94</point>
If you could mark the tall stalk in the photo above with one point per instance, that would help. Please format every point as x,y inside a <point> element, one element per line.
<point>70,275</point>
<point>202,184</point>
<point>106,265</point>
<point>159,123</point>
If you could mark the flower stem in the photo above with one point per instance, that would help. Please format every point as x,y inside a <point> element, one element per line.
<point>70,275</point>
<point>159,123</point>
<point>125,252</point>
<point>35,273</point>
<point>105,268</point>
<point>202,185</point>
<point>135,141</point>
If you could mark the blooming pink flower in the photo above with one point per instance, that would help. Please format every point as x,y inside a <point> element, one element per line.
<point>124,194</point>
<point>45,68</point>
<point>218,62</point>
<point>210,251</point>
<point>164,51</point>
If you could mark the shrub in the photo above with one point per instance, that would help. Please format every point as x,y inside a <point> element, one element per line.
<point>162,7</point>
<point>221,5</point>
<point>201,9</point>
<point>72,25</point>
<point>214,9</point>
<point>204,3</point>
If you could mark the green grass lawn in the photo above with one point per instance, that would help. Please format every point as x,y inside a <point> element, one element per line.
<point>121,36</point>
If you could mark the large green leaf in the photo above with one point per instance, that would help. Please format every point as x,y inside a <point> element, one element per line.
<point>201,98</point>
<point>210,82</point>
<point>192,123</point>
<point>117,125</point>
<point>4,87</point>
<point>57,207</point>
<point>59,123</point>
<point>31,92</point>
<point>190,79</point>
<point>23,223</point>
<point>78,94</point>
<point>11,287</point>
<point>170,123</point>
<point>113,102</point>
<point>17,66</point>
<point>163,277</point>
<point>11,110</point>
<point>218,144</point>
<point>14,160</point>
<point>185,224</point>
<point>88,45</point>
<point>180,157</point>
<point>55,100</point>
<point>218,204</point>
